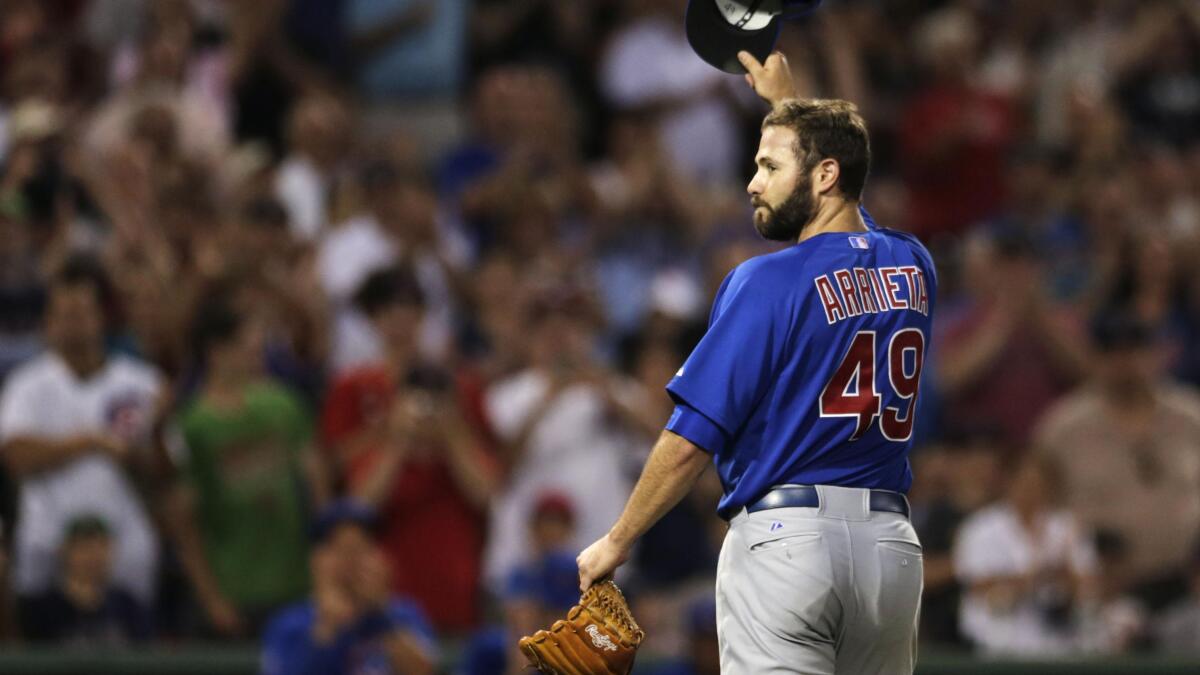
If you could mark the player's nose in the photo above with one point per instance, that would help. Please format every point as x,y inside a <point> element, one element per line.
<point>754,187</point>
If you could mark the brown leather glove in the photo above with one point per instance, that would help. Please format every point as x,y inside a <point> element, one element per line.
<point>598,637</point>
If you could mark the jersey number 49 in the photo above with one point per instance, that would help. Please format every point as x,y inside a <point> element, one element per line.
<point>851,391</point>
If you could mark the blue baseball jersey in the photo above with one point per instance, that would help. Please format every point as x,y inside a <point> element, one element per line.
<point>810,369</point>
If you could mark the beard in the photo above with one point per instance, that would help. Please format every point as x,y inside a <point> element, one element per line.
<point>786,221</point>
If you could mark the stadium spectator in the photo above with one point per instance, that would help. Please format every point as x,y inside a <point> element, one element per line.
<point>274,278</point>
<point>353,623</point>
<point>494,342</point>
<point>266,74</point>
<point>400,222</point>
<point>1026,567</point>
<point>84,608</point>
<point>1160,72</point>
<point>543,589</point>
<point>566,35</point>
<point>72,420</point>
<point>399,433</point>
<point>408,50</point>
<point>318,134</point>
<point>1007,351</point>
<point>554,425</point>
<point>649,65</point>
<point>171,67</point>
<point>1038,212</point>
<point>520,174</point>
<point>247,475</point>
<point>1129,446</point>
<point>646,210</point>
<point>953,133</point>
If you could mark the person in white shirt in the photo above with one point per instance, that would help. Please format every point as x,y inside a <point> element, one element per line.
<point>319,138</point>
<point>1027,569</point>
<point>555,420</point>
<point>650,65</point>
<point>401,221</point>
<point>69,419</point>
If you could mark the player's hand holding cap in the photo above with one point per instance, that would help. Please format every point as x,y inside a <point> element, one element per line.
<point>719,29</point>
<point>771,79</point>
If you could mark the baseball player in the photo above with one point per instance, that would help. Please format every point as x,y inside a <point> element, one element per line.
<point>803,394</point>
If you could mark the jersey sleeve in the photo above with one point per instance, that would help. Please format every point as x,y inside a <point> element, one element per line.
<point>691,424</point>
<point>735,362</point>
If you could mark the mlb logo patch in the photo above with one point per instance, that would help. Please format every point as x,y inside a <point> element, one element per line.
<point>857,241</point>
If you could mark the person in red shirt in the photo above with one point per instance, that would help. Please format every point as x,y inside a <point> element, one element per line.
<point>399,432</point>
<point>954,135</point>
<point>1008,350</point>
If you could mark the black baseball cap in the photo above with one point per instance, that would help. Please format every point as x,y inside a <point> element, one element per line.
<point>719,29</point>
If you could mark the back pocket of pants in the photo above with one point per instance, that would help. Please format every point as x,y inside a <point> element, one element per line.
<point>906,546</point>
<point>776,542</point>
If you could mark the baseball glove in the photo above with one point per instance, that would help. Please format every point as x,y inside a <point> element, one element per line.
<point>598,637</point>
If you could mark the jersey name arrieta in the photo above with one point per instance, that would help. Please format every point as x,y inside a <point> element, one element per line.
<point>850,292</point>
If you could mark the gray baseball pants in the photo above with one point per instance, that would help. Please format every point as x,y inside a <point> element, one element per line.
<point>818,591</point>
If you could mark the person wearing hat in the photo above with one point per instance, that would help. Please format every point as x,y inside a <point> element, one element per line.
<point>86,607</point>
<point>352,623</point>
<point>546,586</point>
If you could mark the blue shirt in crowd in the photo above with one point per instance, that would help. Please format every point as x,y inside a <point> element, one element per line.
<point>809,371</point>
<point>289,647</point>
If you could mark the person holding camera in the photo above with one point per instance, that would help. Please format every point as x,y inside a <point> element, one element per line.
<point>403,444</point>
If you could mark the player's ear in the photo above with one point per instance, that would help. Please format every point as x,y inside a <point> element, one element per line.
<point>825,175</point>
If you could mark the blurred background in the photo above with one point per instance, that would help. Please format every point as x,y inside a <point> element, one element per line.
<point>332,330</point>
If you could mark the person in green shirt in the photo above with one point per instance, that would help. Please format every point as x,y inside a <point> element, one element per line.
<point>247,480</point>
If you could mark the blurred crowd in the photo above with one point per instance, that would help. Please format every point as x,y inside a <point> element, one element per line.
<point>343,325</point>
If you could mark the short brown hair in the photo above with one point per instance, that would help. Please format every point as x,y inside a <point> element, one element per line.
<point>828,129</point>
